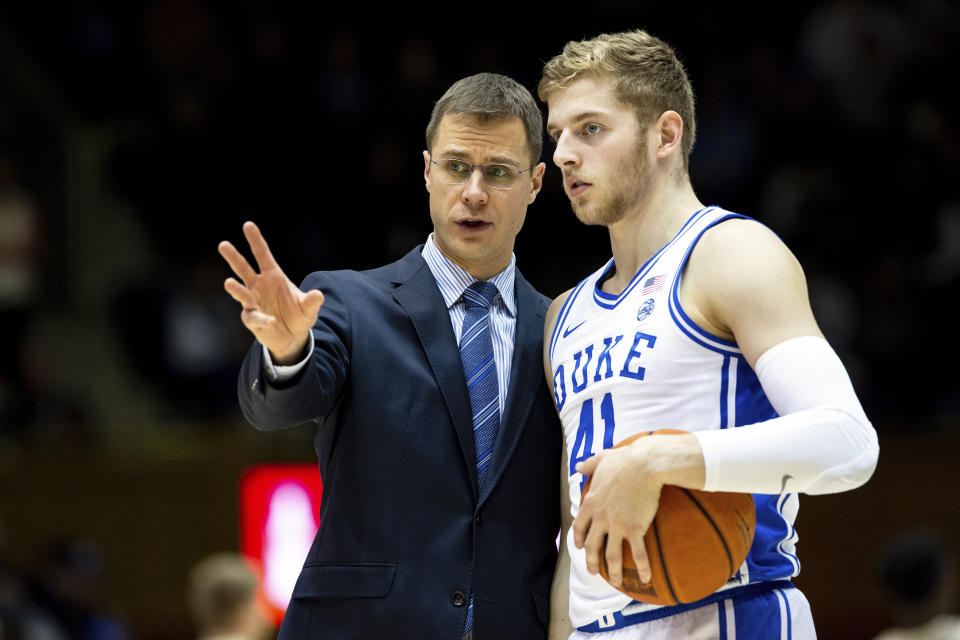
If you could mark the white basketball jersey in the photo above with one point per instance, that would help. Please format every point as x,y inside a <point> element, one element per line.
<point>635,362</point>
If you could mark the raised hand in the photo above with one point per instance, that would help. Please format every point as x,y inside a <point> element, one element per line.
<point>275,310</point>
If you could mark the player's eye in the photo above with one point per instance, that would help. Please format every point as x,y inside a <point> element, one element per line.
<point>591,129</point>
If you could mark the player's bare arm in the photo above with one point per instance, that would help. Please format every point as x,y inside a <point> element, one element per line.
<point>560,626</point>
<point>275,310</point>
<point>743,284</point>
<point>746,283</point>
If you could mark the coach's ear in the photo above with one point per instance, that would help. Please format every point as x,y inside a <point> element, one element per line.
<point>536,177</point>
<point>426,169</point>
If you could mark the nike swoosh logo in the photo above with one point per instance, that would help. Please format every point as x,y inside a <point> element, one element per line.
<point>783,482</point>
<point>567,332</point>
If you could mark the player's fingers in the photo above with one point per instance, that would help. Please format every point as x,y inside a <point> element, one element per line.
<point>236,261</point>
<point>240,293</point>
<point>593,546</point>
<point>581,524</point>
<point>638,549</point>
<point>258,246</point>
<point>614,557</point>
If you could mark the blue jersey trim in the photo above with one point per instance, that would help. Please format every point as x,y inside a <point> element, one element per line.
<point>677,320</point>
<point>562,316</point>
<point>751,403</point>
<point>598,292</point>
<point>609,300</point>
<point>688,325</point>
<point>724,391</point>
<point>791,532</point>
<point>621,620</point>
<point>767,560</point>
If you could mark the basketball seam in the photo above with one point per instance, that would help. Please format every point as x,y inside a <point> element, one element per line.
<point>713,524</point>
<point>663,563</point>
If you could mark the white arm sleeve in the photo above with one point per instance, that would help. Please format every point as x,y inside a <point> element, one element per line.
<point>281,373</point>
<point>821,443</point>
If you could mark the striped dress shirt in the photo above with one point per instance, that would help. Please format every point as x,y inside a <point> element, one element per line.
<point>452,280</point>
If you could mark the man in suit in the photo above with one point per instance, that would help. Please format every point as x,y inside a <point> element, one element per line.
<point>437,439</point>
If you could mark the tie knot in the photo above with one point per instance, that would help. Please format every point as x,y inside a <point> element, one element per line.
<point>480,294</point>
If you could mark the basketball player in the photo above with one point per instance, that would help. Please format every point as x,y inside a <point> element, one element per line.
<point>700,322</point>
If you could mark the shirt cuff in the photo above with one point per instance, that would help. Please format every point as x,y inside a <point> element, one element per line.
<point>282,373</point>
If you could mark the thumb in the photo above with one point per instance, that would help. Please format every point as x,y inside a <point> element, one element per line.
<point>588,466</point>
<point>311,303</point>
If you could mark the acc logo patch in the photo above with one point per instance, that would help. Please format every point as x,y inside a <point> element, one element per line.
<point>645,309</point>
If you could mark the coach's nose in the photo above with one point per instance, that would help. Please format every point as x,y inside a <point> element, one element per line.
<point>475,188</point>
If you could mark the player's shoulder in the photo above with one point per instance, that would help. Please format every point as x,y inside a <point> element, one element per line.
<point>740,265</point>
<point>554,310</point>
<point>739,233</point>
<point>740,247</point>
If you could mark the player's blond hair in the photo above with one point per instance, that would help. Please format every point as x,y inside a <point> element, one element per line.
<point>645,70</point>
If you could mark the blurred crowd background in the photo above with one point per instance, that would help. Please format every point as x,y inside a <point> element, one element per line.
<point>135,136</point>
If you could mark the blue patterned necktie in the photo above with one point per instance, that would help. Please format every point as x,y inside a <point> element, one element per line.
<point>480,370</point>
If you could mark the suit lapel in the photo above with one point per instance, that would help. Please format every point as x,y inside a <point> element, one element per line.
<point>526,377</point>
<point>420,297</point>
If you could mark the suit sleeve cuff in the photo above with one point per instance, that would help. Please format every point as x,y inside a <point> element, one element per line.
<point>278,373</point>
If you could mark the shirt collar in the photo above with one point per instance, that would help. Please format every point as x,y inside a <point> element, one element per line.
<point>452,279</point>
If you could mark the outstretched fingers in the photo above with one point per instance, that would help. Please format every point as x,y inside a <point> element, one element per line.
<point>240,293</point>
<point>236,261</point>
<point>259,246</point>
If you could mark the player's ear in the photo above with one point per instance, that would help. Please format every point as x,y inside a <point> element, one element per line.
<point>426,169</point>
<point>536,177</point>
<point>669,128</point>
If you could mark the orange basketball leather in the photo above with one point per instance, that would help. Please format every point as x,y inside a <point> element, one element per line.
<point>696,542</point>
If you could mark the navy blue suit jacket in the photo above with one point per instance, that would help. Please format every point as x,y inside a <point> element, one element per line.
<point>405,538</point>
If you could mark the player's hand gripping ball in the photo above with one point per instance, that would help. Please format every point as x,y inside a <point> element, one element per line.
<point>696,542</point>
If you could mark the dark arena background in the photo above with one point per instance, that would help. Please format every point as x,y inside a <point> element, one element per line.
<point>136,136</point>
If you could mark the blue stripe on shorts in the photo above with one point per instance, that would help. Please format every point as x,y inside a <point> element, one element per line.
<point>760,592</point>
<point>758,616</point>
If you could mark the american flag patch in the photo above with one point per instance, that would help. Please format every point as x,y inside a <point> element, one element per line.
<point>652,284</point>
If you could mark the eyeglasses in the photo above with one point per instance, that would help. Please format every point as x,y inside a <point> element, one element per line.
<point>497,176</point>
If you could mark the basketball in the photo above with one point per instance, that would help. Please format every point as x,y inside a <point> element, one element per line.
<point>696,542</point>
